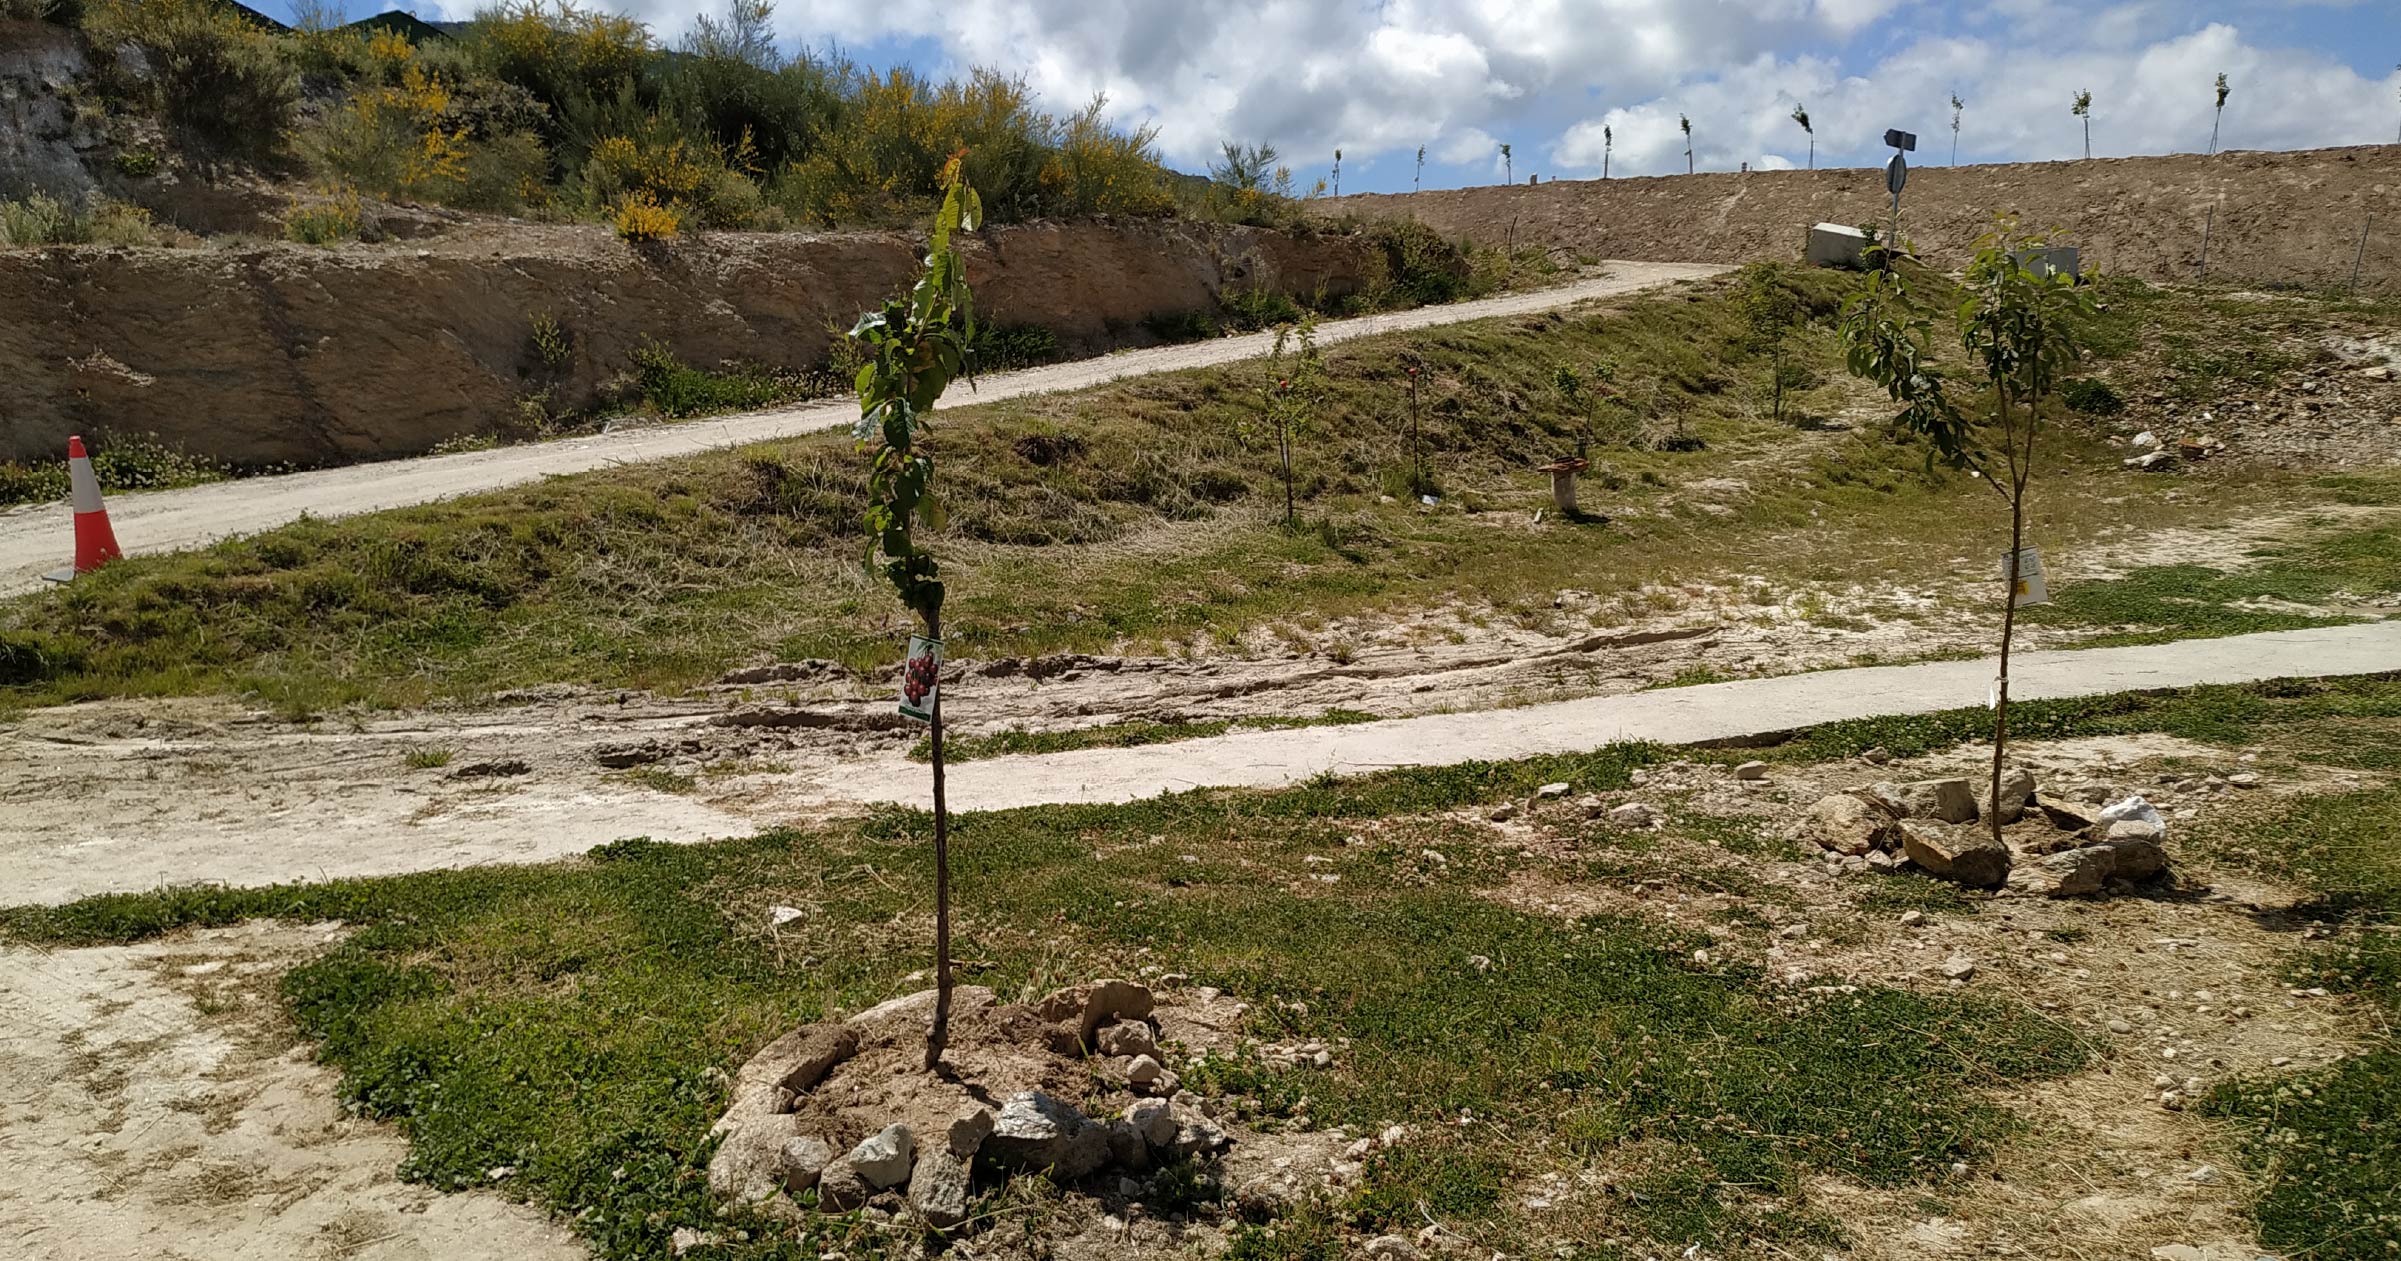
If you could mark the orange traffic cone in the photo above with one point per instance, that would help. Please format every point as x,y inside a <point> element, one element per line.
<point>95,542</point>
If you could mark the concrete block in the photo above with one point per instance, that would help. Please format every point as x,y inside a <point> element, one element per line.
<point>1836,245</point>
<point>2051,260</point>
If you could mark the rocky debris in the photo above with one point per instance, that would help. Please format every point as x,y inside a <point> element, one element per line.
<point>883,1160</point>
<point>1750,771</point>
<point>940,1187</point>
<point>2068,815</point>
<point>1943,800</point>
<point>918,1008</point>
<point>627,754</point>
<point>2017,789</point>
<point>1037,1131</point>
<point>802,1160</point>
<point>1846,823</point>
<point>1877,756</point>
<point>2089,869</point>
<point>1635,815</point>
<point>1078,1011</point>
<point>1503,812</point>
<point>1129,1037</point>
<point>1392,1248</point>
<point>1969,856</point>
<point>1154,1119</point>
<point>757,1127</point>
<point>1549,791</point>
<point>501,768</point>
<point>1958,968</point>
<point>840,1189</point>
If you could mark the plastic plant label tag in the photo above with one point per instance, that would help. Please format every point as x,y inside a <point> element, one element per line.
<point>2030,589</point>
<point>921,678</point>
<point>1992,695</point>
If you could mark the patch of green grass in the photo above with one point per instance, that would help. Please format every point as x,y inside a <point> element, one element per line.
<point>570,1019</point>
<point>567,1018</point>
<point>2326,1144</point>
<point>2164,602</point>
<point>660,779</point>
<point>430,758</point>
<point>1123,735</point>
<point>668,573</point>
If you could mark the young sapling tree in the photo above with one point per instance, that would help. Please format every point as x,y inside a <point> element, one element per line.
<point>2018,326</point>
<point>2082,107</point>
<point>2220,117</point>
<point>1508,165</point>
<point>1958,107</point>
<point>1608,143</point>
<point>1418,184</point>
<point>1289,399</point>
<point>1685,121</point>
<point>1337,172</point>
<point>1770,312</point>
<point>1414,365</point>
<point>1800,114</point>
<point>914,348</point>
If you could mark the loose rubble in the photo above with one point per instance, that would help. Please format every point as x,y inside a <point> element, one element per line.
<point>2051,845</point>
<point>845,1111</point>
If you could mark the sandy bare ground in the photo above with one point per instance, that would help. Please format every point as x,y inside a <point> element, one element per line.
<point>119,796</point>
<point>2173,990</point>
<point>37,540</point>
<point>154,1102</point>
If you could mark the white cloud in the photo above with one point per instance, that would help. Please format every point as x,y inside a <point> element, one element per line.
<point>1458,76</point>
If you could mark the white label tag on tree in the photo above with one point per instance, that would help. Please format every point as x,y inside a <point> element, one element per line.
<point>2030,588</point>
<point>921,678</point>
<point>1992,695</point>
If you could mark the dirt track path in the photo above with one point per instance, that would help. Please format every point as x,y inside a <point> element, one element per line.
<point>37,540</point>
<point>132,795</point>
<point>155,1102</point>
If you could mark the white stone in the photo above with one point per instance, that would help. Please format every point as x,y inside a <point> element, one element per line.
<point>1548,791</point>
<point>883,1160</point>
<point>1751,770</point>
<point>1959,967</point>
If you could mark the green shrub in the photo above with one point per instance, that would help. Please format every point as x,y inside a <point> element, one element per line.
<point>675,389</point>
<point>221,84</point>
<point>2092,396</point>
<point>327,222</point>
<point>40,219</point>
<point>1001,347</point>
<point>131,462</point>
<point>136,163</point>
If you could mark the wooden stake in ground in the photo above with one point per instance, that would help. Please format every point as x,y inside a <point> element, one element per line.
<point>915,347</point>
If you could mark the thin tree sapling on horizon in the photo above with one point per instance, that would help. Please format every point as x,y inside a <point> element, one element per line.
<point>1800,114</point>
<point>2083,108</point>
<point>2221,114</point>
<point>1685,121</point>
<point>1419,183</point>
<point>1958,107</point>
<point>1508,165</point>
<point>1608,142</point>
<point>914,348</point>
<point>1337,172</point>
<point>2018,326</point>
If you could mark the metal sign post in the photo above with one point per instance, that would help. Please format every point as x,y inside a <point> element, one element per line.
<point>1896,177</point>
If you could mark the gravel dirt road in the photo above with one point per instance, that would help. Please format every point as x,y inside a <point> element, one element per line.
<point>39,539</point>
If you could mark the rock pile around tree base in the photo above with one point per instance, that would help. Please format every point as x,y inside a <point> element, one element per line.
<point>1071,1086</point>
<point>2052,846</point>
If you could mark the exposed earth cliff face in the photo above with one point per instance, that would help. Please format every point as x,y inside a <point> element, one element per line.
<point>2281,219</point>
<point>274,353</point>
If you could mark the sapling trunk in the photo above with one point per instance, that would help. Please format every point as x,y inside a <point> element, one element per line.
<point>938,1037</point>
<point>2021,467</point>
<point>1284,444</point>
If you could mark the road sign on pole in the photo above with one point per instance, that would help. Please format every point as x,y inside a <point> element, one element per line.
<point>1905,141</point>
<point>1896,174</point>
<point>1896,177</point>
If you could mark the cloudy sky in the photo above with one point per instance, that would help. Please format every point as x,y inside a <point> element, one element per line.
<point>1460,77</point>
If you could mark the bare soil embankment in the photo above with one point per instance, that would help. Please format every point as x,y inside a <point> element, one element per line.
<point>2281,219</point>
<point>275,353</point>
